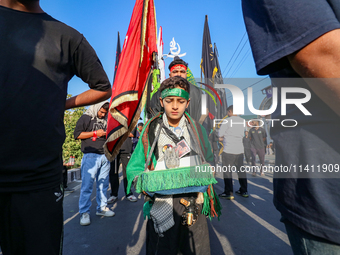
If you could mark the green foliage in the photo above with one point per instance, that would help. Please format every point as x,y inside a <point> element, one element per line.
<point>71,147</point>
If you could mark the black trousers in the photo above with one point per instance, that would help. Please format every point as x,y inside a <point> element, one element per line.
<point>248,155</point>
<point>65,176</point>
<point>114,176</point>
<point>179,239</point>
<point>233,160</point>
<point>31,223</point>
<point>261,152</point>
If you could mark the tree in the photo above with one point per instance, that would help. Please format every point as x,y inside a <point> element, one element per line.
<point>71,147</point>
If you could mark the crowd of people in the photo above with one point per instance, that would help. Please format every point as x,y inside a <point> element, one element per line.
<point>299,40</point>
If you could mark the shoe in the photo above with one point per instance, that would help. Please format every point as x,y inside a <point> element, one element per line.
<point>226,196</point>
<point>85,219</point>
<point>253,174</point>
<point>244,194</point>
<point>112,199</point>
<point>132,198</point>
<point>262,174</point>
<point>105,212</point>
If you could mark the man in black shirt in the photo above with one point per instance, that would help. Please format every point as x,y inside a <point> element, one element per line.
<point>178,67</point>
<point>257,137</point>
<point>247,145</point>
<point>136,134</point>
<point>39,56</point>
<point>91,129</point>
<point>297,42</point>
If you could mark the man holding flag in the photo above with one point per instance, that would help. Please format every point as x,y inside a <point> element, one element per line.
<point>178,67</point>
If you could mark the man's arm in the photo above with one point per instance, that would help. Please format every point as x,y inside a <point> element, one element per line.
<point>86,135</point>
<point>88,97</point>
<point>88,67</point>
<point>321,59</point>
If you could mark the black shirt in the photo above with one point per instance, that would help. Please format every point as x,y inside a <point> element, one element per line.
<point>87,124</point>
<point>127,146</point>
<point>246,142</point>
<point>256,137</point>
<point>38,56</point>
<point>277,29</point>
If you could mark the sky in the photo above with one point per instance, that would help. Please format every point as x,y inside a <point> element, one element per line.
<point>99,21</point>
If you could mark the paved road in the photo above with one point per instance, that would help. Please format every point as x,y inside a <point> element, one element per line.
<point>247,225</point>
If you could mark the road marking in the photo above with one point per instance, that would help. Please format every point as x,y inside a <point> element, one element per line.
<point>257,197</point>
<point>75,215</point>
<point>223,241</point>
<point>281,235</point>
<point>137,247</point>
<point>135,227</point>
<point>71,218</point>
<point>260,186</point>
<point>264,223</point>
<point>75,188</point>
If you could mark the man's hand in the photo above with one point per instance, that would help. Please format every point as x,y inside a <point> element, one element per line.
<point>86,135</point>
<point>101,133</point>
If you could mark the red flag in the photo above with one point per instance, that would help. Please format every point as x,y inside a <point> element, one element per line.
<point>133,73</point>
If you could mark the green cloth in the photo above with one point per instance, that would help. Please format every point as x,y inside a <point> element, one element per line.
<point>155,82</point>
<point>137,161</point>
<point>182,177</point>
<point>175,92</point>
<point>153,181</point>
<point>190,77</point>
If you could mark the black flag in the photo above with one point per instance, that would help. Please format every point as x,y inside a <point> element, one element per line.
<point>118,51</point>
<point>221,109</point>
<point>209,69</point>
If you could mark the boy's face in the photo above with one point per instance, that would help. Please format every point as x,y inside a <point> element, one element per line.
<point>174,107</point>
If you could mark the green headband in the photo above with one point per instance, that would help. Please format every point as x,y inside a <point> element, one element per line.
<point>175,92</point>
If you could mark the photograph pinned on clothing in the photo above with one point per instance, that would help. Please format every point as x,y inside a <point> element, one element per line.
<point>182,148</point>
<point>178,131</point>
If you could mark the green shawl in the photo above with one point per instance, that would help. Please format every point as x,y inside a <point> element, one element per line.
<point>174,178</point>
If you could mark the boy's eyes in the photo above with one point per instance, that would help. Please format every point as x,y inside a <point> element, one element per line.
<point>180,101</point>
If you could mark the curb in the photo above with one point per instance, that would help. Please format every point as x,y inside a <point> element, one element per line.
<point>73,175</point>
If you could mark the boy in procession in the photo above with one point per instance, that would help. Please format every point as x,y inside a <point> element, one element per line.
<point>178,67</point>
<point>174,203</point>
